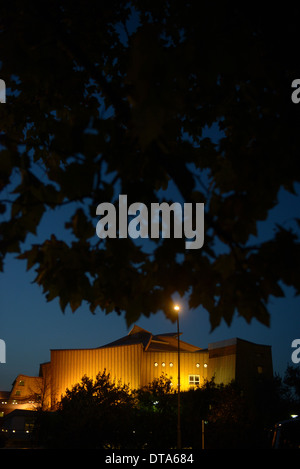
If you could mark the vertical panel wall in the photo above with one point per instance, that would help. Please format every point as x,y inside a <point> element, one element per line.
<point>222,358</point>
<point>222,368</point>
<point>131,365</point>
<point>69,366</point>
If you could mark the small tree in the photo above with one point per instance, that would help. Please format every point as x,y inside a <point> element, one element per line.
<point>94,414</point>
<point>155,395</point>
<point>40,394</point>
<point>292,379</point>
<point>156,414</point>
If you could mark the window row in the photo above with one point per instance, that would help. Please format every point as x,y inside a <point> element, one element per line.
<point>172,364</point>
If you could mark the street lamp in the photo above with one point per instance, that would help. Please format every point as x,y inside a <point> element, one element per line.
<point>177,308</point>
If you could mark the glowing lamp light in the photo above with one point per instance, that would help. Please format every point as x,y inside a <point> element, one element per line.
<point>176,307</point>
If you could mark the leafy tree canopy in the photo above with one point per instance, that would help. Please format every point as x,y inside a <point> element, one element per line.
<point>159,101</point>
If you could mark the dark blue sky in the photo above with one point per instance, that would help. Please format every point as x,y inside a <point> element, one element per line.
<point>31,327</point>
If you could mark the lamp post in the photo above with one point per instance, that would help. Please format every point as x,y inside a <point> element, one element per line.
<point>177,308</point>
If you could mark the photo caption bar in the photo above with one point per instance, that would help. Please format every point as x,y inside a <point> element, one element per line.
<point>150,458</point>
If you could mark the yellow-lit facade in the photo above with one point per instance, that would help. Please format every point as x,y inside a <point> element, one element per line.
<point>27,393</point>
<point>140,357</point>
<point>135,360</point>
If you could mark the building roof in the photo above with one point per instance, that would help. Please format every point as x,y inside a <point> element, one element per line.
<point>233,341</point>
<point>161,342</point>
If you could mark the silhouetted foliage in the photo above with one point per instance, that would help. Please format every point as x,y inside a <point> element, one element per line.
<point>94,414</point>
<point>156,414</point>
<point>102,414</point>
<point>292,379</point>
<point>117,97</point>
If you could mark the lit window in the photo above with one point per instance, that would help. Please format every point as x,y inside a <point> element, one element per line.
<point>155,364</point>
<point>29,426</point>
<point>259,369</point>
<point>194,380</point>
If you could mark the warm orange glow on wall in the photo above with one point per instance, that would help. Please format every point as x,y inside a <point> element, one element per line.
<point>139,358</point>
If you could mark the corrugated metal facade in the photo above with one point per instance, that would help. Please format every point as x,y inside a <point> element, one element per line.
<point>139,358</point>
<point>129,364</point>
<point>69,366</point>
<point>222,368</point>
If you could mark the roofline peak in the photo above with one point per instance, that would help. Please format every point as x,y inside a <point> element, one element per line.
<point>136,329</point>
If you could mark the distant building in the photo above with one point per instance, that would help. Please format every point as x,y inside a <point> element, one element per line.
<point>136,360</point>
<point>17,428</point>
<point>27,393</point>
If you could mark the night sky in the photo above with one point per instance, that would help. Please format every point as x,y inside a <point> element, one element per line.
<point>31,327</point>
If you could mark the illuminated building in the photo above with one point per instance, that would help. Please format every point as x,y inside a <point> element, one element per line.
<point>140,357</point>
